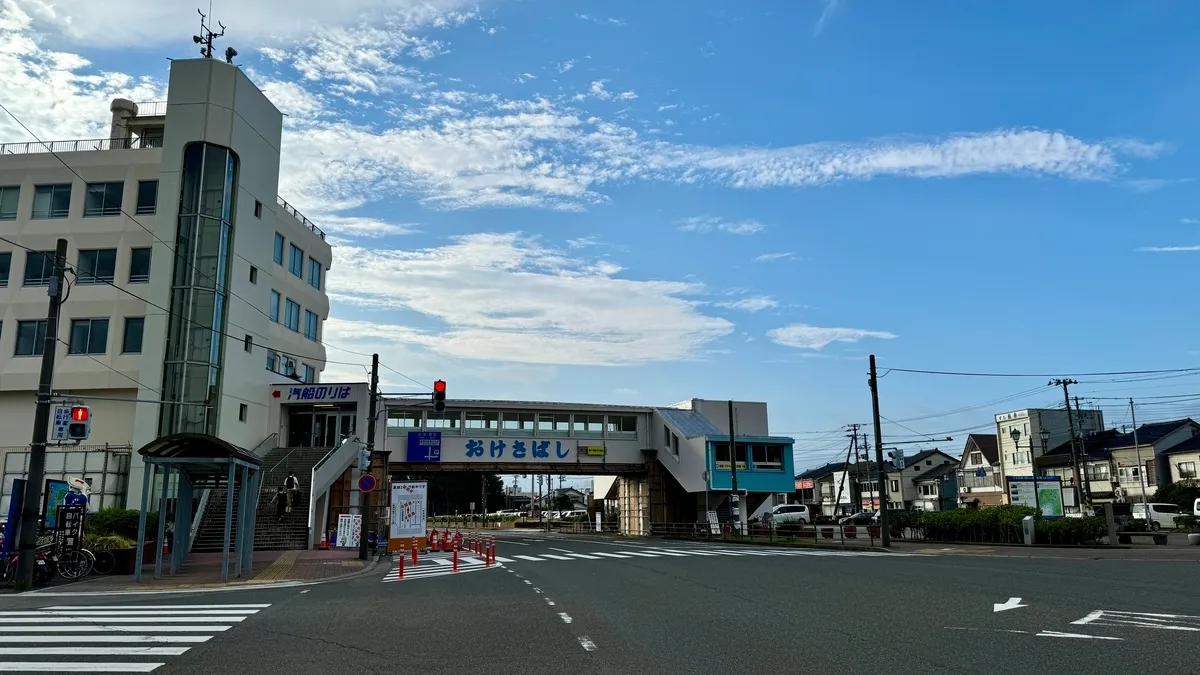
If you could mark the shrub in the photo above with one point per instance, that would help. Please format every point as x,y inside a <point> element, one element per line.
<point>121,522</point>
<point>1072,531</point>
<point>1189,523</point>
<point>108,542</point>
<point>996,525</point>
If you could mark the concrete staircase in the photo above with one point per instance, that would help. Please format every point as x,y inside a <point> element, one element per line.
<point>270,534</point>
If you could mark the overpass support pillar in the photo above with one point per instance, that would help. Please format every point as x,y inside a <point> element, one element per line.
<point>633,505</point>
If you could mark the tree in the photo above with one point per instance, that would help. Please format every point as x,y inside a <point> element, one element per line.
<point>563,503</point>
<point>1184,494</point>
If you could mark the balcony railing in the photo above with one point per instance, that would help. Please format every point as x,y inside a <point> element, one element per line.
<point>300,217</point>
<point>91,145</point>
<point>152,109</point>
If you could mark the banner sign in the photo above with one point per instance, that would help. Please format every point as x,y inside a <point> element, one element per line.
<point>349,529</point>
<point>409,501</point>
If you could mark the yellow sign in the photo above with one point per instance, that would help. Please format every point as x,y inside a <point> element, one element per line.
<point>725,465</point>
<point>592,450</point>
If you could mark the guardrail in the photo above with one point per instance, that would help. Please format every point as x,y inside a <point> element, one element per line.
<point>844,535</point>
<point>152,109</point>
<point>291,210</point>
<point>87,145</point>
<point>333,464</point>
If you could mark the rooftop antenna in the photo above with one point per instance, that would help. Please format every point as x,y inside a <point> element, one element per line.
<point>207,36</point>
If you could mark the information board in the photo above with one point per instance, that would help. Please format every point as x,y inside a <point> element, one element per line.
<point>424,446</point>
<point>408,509</point>
<point>1043,493</point>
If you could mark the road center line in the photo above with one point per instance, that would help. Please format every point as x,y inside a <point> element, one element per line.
<point>566,618</point>
<point>587,644</point>
<point>560,550</point>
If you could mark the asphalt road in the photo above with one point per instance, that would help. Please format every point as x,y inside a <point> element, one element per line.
<point>586,605</point>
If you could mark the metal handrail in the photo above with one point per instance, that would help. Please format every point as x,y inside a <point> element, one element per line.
<point>151,109</point>
<point>87,145</point>
<point>291,210</point>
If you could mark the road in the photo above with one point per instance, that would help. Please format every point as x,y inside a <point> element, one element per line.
<point>585,605</point>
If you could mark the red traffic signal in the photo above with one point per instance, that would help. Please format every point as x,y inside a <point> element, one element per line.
<point>79,414</point>
<point>440,386</point>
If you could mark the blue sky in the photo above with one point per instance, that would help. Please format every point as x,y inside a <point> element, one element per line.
<point>626,202</point>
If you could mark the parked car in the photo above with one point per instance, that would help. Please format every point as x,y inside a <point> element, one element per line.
<point>784,514</point>
<point>1161,515</point>
<point>862,518</point>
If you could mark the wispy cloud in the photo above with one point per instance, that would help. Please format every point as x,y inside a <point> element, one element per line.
<point>565,66</point>
<point>773,257</point>
<point>1189,221</point>
<point>1168,249</point>
<point>804,336</point>
<point>831,7</point>
<point>1153,184</point>
<point>715,224</point>
<point>605,20</point>
<point>755,304</point>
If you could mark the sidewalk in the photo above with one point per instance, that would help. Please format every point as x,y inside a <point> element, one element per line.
<point>1172,552</point>
<point>203,570</point>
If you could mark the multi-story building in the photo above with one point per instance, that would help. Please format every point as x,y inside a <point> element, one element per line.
<point>905,490</point>
<point>1023,435</point>
<point>979,472</point>
<point>191,284</point>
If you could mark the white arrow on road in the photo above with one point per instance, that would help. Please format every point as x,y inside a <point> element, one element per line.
<point>1012,603</point>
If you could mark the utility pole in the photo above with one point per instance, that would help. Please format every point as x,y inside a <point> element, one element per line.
<point>41,426</point>
<point>734,506</point>
<point>1064,383</point>
<point>884,536</point>
<point>1087,480</point>
<point>372,405</point>
<point>483,497</point>
<point>856,486</point>
<point>867,456</point>
<point>1141,466</point>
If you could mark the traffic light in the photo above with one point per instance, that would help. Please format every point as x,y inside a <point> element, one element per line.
<point>80,426</point>
<point>439,396</point>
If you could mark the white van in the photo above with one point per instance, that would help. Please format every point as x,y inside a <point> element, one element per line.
<point>791,513</point>
<point>1196,509</point>
<point>1161,515</point>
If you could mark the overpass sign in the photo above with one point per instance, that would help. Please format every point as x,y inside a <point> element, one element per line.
<point>424,446</point>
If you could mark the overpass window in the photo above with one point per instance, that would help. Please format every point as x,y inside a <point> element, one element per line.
<point>518,423</point>
<point>622,425</point>
<point>403,419</point>
<point>554,422</point>
<point>588,425</point>
<point>722,452</point>
<point>450,421</point>
<point>483,420</point>
<point>768,456</point>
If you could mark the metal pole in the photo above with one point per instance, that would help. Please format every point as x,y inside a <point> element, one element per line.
<point>372,404</point>
<point>734,506</point>
<point>885,539</point>
<point>161,538</point>
<point>1141,467</point>
<point>41,427</point>
<point>483,497</point>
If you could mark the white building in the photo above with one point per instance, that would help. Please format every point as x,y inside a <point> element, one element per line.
<point>1019,436</point>
<point>177,210</point>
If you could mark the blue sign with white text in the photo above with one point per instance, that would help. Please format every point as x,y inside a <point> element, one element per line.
<point>424,446</point>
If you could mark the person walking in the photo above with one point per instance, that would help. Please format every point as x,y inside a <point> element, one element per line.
<point>280,500</point>
<point>293,489</point>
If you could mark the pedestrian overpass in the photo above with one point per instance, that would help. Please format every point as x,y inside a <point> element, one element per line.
<point>658,464</point>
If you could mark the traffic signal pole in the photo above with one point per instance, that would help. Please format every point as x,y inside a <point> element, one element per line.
<point>41,426</point>
<point>365,497</point>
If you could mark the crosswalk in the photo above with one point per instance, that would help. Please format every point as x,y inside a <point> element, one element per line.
<point>437,565</point>
<point>663,552</point>
<point>109,638</point>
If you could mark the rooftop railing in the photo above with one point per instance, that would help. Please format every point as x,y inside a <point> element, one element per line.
<point>90,145</point>
<point>300,217</point>
<point>152,109</point>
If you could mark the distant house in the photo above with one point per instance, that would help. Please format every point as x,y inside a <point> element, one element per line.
<point>979,472</point>
<point>903,491</point>
<point>937,488</point>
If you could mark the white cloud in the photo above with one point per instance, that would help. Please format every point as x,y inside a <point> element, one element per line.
<point>139,23</point>
<point>501,297</point>
<point>755,304</point>
<point>525,77</point>
<point>566,66</point>
<point>672,106</point>
<point>772,257</point>
<point>1189,221</point>
<point>827,12</point>
<point>1168,249</point>
<point>804,336</point>
<point>715,224</point>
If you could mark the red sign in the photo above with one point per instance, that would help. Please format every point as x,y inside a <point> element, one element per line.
<point>804,483</point>
<point>366,482</point>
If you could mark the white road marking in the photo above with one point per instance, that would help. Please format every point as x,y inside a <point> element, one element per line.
<point>1108,617</point>
<point>641,555</point>
<point>585,556</point>
<point>94,651</point>
<point>189,608</point>
<point>49,639</point>
<point>132,612</point>
<point>1011,603</point>
<point>94,628</point>
<point>587,644</point>
<point>566,618</point>
<point>529,558</point>
<point>503,560</point>
<point>554,557</point>
<point>612,555</point>
<point>120,619</point>
<point>560,550</point>
<point>75,667</point>
<point>549,602</point>
<point>1054,633</point>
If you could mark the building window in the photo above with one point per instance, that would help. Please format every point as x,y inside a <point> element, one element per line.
<point>551,423</point>
<point>289,365</point>
<point>310,325</point>
<point>88,336</point>
<point>1187,470</point>
<point>278,254</point>
<point>147,198</point>
<point>403,419</point>
<point>310,374</point>
<point>291,315</point>
<point>31,338</point>
<point>588,424</point>
<point>248,342</point>
<point>39,267</point>
<point>103,199</point>
<point>666,436</point>
<point>894,485</point>
<point>272,361</point>
<point>97,266</point>
<point>767,456</point>
<point>275,306</point>
<point>314,274</point>
<point>296,261</point>
<point>131,343</point>
<point>51,201</point>
<point>622,425</point>
<point>257,209</point>
<point>243,412</point>
<point>5,267</point>
<point>253,274</point>
<point>139,265</point>
<point>9,195</point>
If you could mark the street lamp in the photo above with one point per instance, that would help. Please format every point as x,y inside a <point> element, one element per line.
<point>1015,434</point>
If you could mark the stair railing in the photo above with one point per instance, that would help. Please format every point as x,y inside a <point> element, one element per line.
<point>201,507</point>
<point>326,471</point>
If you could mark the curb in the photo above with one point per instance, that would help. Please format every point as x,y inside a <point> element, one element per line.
<point>179,591</point>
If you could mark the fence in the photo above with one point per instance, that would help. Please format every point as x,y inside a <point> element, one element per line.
<point>843,535</point>
<point>88,145</point>
<point>291,210</point>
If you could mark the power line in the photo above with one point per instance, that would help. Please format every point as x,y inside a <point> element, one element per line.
<point>1102,374</point>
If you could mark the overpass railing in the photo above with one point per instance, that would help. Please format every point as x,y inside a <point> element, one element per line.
<point>842,535</point>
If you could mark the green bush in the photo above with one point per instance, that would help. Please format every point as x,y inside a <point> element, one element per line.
<point>1072,531</point>
<point>108,542</point>
<point>121,522</point>
<point>994,525</point>
<point>1189,523</point>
